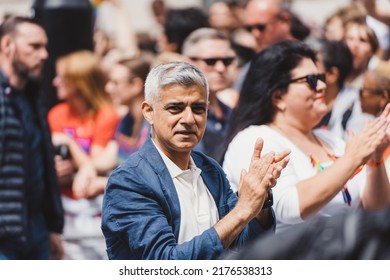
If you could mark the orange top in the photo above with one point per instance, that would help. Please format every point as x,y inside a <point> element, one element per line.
<point>88,130</point>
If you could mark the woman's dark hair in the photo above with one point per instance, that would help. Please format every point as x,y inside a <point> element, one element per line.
<point>270,72</point>
<point>179,23</point>
<point>336,54</point>
<point>299,29</point>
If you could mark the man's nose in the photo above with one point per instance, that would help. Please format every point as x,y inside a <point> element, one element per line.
<point>188,116</point>
<point>43,53</point>
<point>257,33</point>
<point>220,66</point>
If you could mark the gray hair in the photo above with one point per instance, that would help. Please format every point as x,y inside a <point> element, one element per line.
<point>200,34</point>
<point>169,74</point>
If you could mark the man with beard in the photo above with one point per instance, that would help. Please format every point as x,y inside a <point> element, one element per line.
<point>31,215</point>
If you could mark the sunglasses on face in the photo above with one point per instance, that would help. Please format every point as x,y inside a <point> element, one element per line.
<point>213,60</point>
<point>375,91</point>
<point>261,27</point>
<point>311,79</point>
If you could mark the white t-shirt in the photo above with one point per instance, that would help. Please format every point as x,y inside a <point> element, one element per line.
<point>286,202</point>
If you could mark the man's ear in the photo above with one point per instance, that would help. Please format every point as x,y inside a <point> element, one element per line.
<point>147,111</point>
<point>7,45</point>
<point>285,16</point>
<point>385,99</point>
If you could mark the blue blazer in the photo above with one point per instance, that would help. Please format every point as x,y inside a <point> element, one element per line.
<point>141,210</point>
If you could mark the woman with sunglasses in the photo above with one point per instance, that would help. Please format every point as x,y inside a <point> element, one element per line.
<point>282,101</point>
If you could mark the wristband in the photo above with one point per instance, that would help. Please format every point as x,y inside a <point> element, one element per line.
<point>373,163</point>
<point>269,201</point>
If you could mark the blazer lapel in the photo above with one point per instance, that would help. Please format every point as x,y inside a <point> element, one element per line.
<point>150,153</point>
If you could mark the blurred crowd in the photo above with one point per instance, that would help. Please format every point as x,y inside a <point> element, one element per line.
<point>335,128</point>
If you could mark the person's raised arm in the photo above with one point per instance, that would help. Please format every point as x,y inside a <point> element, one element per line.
<point>252,192</point>
<point>328,183</point>
<point>376,195</point>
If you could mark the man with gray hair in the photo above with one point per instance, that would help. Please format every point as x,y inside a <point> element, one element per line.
<point>169,202</point>
<point>210,50</point>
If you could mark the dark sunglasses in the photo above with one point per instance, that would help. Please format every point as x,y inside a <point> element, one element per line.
<point>311,79</point>
<point>261,27</point>
<point>213,60</point>
<point>376,91</point>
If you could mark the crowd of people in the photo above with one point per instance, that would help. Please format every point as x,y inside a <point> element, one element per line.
<point>226,126</point>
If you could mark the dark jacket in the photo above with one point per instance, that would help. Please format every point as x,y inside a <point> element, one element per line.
<point>13,208</point>
<point>141,210</point>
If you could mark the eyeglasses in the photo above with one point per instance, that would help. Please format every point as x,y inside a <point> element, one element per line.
<point>311,79</point>
<point>213,60</point>
<point>261,27</point>
<point>376,91</point>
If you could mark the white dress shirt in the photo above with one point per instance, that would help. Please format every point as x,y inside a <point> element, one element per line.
<point>198,209</point>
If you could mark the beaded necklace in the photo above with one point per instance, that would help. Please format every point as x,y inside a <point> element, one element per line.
<point>319,167</point>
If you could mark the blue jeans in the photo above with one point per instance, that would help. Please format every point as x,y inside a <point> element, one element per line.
<point>34,245</point>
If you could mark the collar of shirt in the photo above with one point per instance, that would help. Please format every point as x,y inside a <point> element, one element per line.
<point>198,208</point>
<point>173,169</point>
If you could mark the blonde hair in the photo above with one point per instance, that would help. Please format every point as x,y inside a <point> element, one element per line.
<point>366,29</point>
<point>346,14</point>
<point>83,68</point>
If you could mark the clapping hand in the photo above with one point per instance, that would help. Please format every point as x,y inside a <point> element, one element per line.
<point>385,117</point>
<point>260,177</point>
<point>371,141</point>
